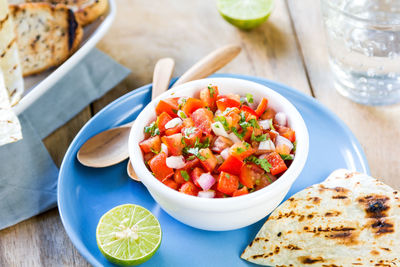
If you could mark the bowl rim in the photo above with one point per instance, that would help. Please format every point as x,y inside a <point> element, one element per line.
<point>219,204</point>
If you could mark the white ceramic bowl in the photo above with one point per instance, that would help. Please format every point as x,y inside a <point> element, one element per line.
<point>223,213</point>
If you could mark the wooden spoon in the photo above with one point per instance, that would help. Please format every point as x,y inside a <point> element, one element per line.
<point>110,147</point>
<point>202,69</point>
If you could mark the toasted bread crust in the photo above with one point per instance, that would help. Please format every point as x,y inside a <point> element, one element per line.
<point>86,11</point>
<point>47,35</point>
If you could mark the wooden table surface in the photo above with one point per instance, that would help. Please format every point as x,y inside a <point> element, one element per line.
<point>290,48</point>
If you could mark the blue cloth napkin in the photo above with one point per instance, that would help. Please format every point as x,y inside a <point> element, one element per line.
<point>28,175</point>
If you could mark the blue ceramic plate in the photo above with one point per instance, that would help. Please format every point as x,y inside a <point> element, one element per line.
<point>85,194</point>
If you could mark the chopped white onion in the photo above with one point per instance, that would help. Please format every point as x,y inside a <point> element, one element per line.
<point>225,153</point>
<point>181,114</point>
<point>164,148</point>
<point>206,180</point>
<point>267,145</point>
<point>280,140</point>
<point>206,194</point>
<point>220,159</point>
<point>173,123</point>
<point>281,118</point>
<point>234,138</point>
<point>265,124</point>
<point>175,162</point>
<point>218,129</point>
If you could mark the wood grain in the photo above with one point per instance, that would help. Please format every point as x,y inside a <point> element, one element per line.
<point>376,128</point>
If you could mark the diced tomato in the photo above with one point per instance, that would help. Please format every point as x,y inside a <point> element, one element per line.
<point>169,105</point>
<point>163,119</point>
<point>209,96</point>
<point>195,175</point>
<point>264,181</point>
<point>220,143</point>
<point>159,167</point>
<point>232,165</point>
<point>176,129</point>
<point>225,102</point>
<point>241,192</point>
<point>227,183</point>
<point>210,160</point>
<point>190,135</point>
<point>188,122</point>
<point>171,183</point>
<point>272,135</point>
<point>287,132</point>
<point>232,118</point>
<point>282,149</point>
<point>191,105</point>
<point>152,144</point>
<point>189,188</point>
<point>248,131</point>
<point>268,114</point>
<point>174,144</point>
<point>202,119</point>
<point>241,150</point>
<point>148,156</point>
<point>178,178</point>
<point>249,110</point>
<point>189,165</point>
<point>277,163</point>
<point>262,106</point>
<point>250,174</point>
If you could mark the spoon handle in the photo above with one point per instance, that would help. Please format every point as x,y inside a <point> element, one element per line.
<point>210,64</point>
<point>162,76</point>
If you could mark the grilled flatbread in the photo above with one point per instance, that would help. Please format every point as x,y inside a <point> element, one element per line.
<point>350,219</point>
<point>9,59</point>
<point>10,129</point>
<point>47,35</point>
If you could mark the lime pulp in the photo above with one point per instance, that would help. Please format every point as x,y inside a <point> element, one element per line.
<point>128,235</point>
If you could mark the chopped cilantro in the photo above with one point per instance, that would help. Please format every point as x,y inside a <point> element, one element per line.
<point>241,186</point>
<point>223,121</point>
<point>263,163</point>
<point>249,98</point>
<point>154,151</point>
<point>246,145</point>
<point>240,150</point>
<point>240,135</point>
<point>182,114</point>
<point>195,151</point>
<point>242,117</point>
<point>254,123</point>
<point>259,138</point>
<point>271,126</point>
<point>227,175</point>
<point>211,90</point>
<point>287,157</point>
<point>175,111</point>
<point>185,175</point>
<point>152,129</point>
<point>294,146</point>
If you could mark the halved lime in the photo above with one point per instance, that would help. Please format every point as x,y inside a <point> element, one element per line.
<point>245,14</point>
<point>128,235</point>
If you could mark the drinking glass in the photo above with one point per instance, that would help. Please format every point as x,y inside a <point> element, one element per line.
<point>363,39</point>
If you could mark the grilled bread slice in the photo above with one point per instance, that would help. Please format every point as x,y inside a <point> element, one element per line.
<point>9,59</point>
<point>46,35</point>
<point>86,11</point>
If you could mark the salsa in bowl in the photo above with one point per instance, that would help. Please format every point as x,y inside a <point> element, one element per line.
<point>201,145</point>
